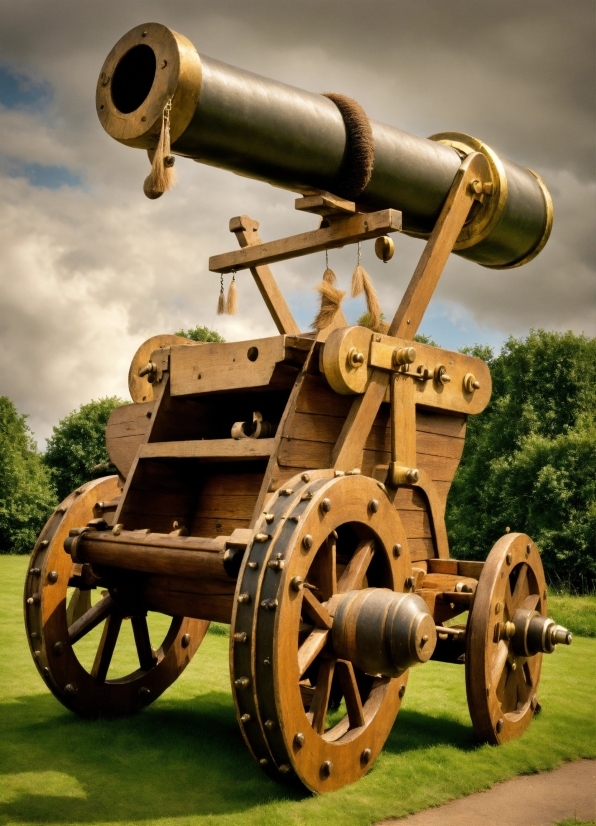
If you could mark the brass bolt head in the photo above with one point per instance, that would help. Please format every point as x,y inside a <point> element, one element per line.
<point>402,691</point>
<point>498,607</point>
<point>239,636</point>
<point>365,756</point>
<point>270,724</point>
<point>374,505</point>
<point>397,550</point>
<point>245,718</point>
<point>326,505</point>
<point>410,582</point>
<point>263,761</point>
<point>499,726</point>
<point>298,740</point>
<point>508,558</point>
<point>244,598</point>
<point>305,477</point>
<point>326,768</point>
<point>296,583</point>
<point>185,641</point>
<point>53,576</point>
<point>284,768</point>
<point>242,682</point>
<point>307,541</point>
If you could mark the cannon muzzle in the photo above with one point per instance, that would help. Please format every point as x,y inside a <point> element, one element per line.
<point>260,128</point>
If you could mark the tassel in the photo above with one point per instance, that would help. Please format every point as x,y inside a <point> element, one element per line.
<point>162,176</point>
<point>221,301</point>
<point>362,283</point>
<point>331,299</point>
<point>232,302</point>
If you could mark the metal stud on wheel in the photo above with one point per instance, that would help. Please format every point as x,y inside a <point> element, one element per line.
<point>304,711</point>
<point>55,625</point>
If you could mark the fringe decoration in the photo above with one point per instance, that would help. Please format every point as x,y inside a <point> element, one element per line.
<point>162,176</point>
<point>362,283</point>
<point>232,301</point>
<point>331,299</point>
<point>221,301</point>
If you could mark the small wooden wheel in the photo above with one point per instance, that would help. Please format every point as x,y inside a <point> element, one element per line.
<point>304,712</point>
<point>501,685</point>
<point>54,627</point>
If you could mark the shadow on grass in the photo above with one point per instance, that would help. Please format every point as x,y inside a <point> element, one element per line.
<point>177,759</point>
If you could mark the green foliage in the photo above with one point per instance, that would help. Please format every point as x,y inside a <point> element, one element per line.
<point>530,459</point>
<point>577,614</point>
<point>422,338</point>
<point>77,445</point>
<point>26,495</point>
<point>479,351</point>
<point>200,333</point>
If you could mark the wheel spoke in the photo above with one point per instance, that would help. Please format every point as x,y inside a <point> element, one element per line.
<point>109,637</point>
<point>90,619</point>
<point>356,568</point>
<point>509,701</point>
<point>311,648</point>
<point>315,610</point>
<point>349,686</point>
<point>147,658</point>
<point>324,568</point>
<point>531,602</point>
<point>80,603</point>
<point>320,700</point>
<point>523,688</point>
<point>499,660</point>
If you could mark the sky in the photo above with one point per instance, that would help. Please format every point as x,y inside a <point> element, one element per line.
<point>89,268</point>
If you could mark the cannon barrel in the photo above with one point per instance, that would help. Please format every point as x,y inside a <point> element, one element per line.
<point>261,128</point>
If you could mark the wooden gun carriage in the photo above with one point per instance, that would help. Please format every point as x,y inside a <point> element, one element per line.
<point>295,488</point>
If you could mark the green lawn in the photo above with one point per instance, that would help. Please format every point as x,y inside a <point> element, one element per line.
<point>183,761</point>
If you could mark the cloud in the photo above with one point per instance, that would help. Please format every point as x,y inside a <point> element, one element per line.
<point>90,268</point>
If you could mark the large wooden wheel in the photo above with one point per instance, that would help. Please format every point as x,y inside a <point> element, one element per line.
<point>501,684</point>
<point>58,616</point>
<point>304,712</point>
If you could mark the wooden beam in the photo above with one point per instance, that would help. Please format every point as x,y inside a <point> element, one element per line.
<point>245,230</point>
<point>342,231</point>
<point>231,450</point>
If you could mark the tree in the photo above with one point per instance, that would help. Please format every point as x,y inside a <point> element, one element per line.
<point>26,494</point>
<point>529,463</point>
<point>200,333</point>
<point>77,445</point>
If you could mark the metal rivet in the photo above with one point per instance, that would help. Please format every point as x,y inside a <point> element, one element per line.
<point>46,672</point>
<point>240,636</point>
<point>298,740</point>
<point>499,726</point>
<point>266,661</point>
<point>326,505</point>
<point>244,598</point>
<point>263,761</point>
<point>58,648</point>
<point>44,543</point>
<point>338,473</point>
<point>305,477</point>
<point>245,718</point>
<point>374,505</point>
<point>69,688</point>
<point>117,529</point>
<point>270,724</point>
<point>528,549</point>
<point>36,655</point>
<point>307,542</point>
<point>164,63</point>
<point>262,537</point>
<point>269,604</point>
<point>513,666</point>
<point>144,691</point>
<point>34,635</point>
<point>269,517</point>
<point>284,768</point>
<point>410,582</point>
<point>296,583</point>
<point>53,576</point>
<point>242,682</point>
<point>326,768</point>
<point>185,641</point>
<point>365,756</point>
<point>498,607</point>
<point>35,571</point>
<point>287,491</point>
<point>33,600</point>
<point>143,118</point>
<point>508,558</point>
<point>144,34</point>
<point>355,471</point>
<point>253,565</point>
<point>402,691</point>
<point>397,550</point>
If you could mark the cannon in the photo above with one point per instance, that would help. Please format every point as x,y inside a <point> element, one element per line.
<point>294,487</point>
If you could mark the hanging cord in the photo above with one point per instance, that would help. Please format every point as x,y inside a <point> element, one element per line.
<point>232,302</point>
<point>221,301</point>
<point>331,297</point>
<point>362,283</point>
<point>162,176</point>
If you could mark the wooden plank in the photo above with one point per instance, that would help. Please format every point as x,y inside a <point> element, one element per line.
<point>416,524</point>
<point>125,430</point>
<point>216,525</point>
<point>179,604</point>
<point>222,367</point>
<point>342,231</point>
<point>245,230</point>
<point>438,247</point>
<point>220,450</point>
<point>422,548</point>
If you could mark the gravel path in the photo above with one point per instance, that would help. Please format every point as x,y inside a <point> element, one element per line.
<point>530,800</point>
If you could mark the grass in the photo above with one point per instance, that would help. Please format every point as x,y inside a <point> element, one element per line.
<point>578,614</point>
<point>182,762</point>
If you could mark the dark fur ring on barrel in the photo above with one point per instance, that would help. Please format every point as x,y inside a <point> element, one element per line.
<point>359,155</point>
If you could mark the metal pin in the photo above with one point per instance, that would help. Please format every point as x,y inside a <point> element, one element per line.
<point>397,550</point>
<point>240,636</point>
<point>244,598</point>
<point>365,756</point>
<point>276,564</point>
<point>270,724</point>
<point>305,477</point>
<point>262,537</point>
<point>269,517</point>
<point>284,768</point>
<point>242,682</point>
<point>326,768</point>
<point>269,604</point>
<point>263,761</point>
<point>35,571</point>
<point>326,505</point>
<point>144,691</point>
<point>33,600</point>
<point>185,640</point>
<point>298,740</point>
<point>296,583</point>
<point>245,718</point>
<point>253,565</point>
<point>374,505</point>
<point>307,541</point>
<point>69,688</point>
<point>44,543</point>
<point>286,491</point>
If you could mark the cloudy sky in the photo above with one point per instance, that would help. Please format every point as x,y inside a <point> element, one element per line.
<point>89,268</point>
